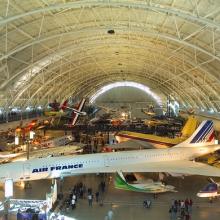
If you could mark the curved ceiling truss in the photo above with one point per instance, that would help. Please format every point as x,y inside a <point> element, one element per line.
<point>61,49</point>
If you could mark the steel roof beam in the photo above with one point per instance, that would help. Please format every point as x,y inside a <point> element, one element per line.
<point>134,29</point>
<point>127,4</point>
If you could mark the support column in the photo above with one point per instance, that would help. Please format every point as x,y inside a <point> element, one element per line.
<point>8,194</point>
<point>28,149</point>
<point>6,208</point>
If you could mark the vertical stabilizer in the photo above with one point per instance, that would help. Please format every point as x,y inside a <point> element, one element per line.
<point>189,127</point>
<point>204,135</point>
<point>120,179</point>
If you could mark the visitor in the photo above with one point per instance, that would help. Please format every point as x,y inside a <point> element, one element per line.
<point>110,214</point>
<point>90,199</point>
<point>97,196</point>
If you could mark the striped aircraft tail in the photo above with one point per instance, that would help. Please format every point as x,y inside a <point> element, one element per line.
<point>203,135</point>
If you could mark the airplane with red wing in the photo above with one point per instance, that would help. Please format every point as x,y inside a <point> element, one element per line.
<point>61,110</point>
<point>71,114</point>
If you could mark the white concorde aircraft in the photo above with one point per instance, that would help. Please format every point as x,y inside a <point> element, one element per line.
<point>177,159</point>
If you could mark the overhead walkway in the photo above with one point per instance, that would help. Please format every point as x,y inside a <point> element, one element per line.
<point>92,129</point>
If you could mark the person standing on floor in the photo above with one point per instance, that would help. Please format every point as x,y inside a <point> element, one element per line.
<point>172,213</point>
<point>73,203</point>
<point>182,205</point>
<point>110,214</point>
<point>74,197</point>
<point>90,199</point>
<point>190,205</point>
<point>97,196</point>
<point>187,216</point>
<point>103,186</point>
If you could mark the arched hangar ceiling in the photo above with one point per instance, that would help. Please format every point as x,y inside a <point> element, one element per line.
<point>58,48</point>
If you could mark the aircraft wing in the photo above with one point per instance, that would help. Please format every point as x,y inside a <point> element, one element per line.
<point>136,144</point>
<point>182,167</point>
<point>131,144</point>
<point>147,139</point>
<point>145,144</point>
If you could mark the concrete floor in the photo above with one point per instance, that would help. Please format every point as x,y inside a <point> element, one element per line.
<point>127,205</point>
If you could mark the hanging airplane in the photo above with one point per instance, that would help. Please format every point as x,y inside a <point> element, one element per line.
<point>108,110</point>
<point>60,111</point>
<point>148,186</point>
<point>76,113</point>
<point>56,109</point>
<point>156,121</point>
<point>149,111</point>
<point>37,124</point>
<point>70,121</point>
<point>178,159</point>
<point>34,124</point>
<point>59,141</point>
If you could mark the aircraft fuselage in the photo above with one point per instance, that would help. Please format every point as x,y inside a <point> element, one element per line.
<point>43,168</point>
